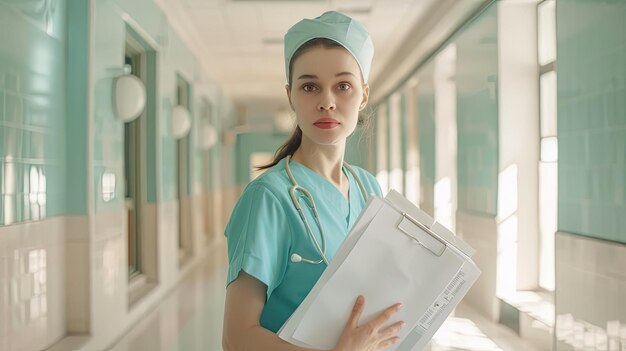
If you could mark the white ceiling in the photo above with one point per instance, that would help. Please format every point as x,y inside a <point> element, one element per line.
<point>239,42</point>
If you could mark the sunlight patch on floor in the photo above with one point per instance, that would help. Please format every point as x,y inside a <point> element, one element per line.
<point>461,334</point>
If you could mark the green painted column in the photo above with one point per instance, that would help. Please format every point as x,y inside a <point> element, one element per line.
<point>77,125</point>
<point>591,84</point>
<point>477,115</point>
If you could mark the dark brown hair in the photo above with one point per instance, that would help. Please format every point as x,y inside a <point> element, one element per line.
<point>289,147</point>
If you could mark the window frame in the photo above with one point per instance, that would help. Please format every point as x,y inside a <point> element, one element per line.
<point>546,280</point>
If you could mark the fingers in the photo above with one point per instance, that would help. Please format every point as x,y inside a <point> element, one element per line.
<point>389,342</point>
<point>392,329</point>
<point>356,311</point>
<point>385,315</point>
<point>372,332</point>
<point>388,335</point>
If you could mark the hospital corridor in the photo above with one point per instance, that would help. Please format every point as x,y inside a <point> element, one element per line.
<point>141,168</point>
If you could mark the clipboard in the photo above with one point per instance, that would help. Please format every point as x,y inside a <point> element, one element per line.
<point>394,253</point>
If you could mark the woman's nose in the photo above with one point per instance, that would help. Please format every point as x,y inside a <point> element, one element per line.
<point>327,102</point>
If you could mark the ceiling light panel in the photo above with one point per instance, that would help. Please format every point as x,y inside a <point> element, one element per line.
<point>283,1</point>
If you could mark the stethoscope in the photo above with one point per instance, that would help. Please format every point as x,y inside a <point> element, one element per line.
<point>295,258</point>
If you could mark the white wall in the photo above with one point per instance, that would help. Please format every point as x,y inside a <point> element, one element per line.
<point>590,291</point>
<point>32,293</point>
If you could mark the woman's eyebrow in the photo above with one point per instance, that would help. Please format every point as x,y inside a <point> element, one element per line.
<point>345,73</point>
<point>307,76</point>
<point>312,76</point>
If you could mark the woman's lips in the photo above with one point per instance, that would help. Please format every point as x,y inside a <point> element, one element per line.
<point>326,123</point>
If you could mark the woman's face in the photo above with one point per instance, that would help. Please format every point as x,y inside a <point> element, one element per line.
<point>327,94</point>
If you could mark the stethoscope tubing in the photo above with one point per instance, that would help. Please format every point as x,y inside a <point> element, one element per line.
<point>321,249</point>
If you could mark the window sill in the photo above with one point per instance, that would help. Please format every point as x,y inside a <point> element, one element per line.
<point>138,287</point>
<point>539,305</point>
<point>70,342</point>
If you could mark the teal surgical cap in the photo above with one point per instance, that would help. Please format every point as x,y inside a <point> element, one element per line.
<point>337,27</point>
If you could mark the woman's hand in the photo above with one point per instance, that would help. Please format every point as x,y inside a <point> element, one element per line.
<point>370,336</point>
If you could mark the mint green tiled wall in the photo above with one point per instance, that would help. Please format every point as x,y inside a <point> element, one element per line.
<point>171,58</point>
<point>247,143</point>
<point>591,74</point>
<point>477,114</point>
<point>32,111</point>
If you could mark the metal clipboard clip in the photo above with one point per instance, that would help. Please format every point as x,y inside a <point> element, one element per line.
<point>422,234</point>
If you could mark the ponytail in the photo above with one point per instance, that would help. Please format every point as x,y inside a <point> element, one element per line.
<point>287,149</point>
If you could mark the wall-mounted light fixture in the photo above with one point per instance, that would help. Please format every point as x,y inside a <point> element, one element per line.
<point>207,137</point>
<point>181,122</point>
<point>129,96</point>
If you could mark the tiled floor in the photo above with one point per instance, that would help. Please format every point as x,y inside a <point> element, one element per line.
<point>190,318</point>
<point>468,330</point>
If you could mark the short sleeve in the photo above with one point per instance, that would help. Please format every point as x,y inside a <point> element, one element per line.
<point>258,237</point>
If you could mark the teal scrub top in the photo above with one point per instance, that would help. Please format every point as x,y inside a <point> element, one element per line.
<point>265,229</point>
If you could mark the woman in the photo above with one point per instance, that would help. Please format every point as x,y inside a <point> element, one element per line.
<point>276,254</point>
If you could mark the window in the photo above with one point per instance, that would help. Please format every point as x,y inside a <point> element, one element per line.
<point>183,97</point>
<point>382,132</point>
<point>139,172</point>
<point>206,115</point>
<point>132,167</point>
<point>548,138</point>
<point>546,20</point>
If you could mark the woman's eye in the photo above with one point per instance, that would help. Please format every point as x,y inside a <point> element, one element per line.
<point>308,87</point>
<point>344,86</point>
